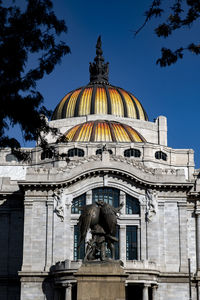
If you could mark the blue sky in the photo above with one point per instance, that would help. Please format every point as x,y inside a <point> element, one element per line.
<point>172,92</point>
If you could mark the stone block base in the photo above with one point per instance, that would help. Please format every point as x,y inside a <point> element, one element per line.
<point>101,280</point>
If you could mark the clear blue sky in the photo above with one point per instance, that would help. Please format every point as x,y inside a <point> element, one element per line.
<point>172,91</point>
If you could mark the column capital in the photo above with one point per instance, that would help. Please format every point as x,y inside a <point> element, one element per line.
<point>146,285</point>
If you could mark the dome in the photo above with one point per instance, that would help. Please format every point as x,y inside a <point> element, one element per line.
<point>99,97</point>
<point>103,131</point>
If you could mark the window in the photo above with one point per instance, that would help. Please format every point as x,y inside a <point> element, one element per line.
<point>77,203</point>
<point>78,253</point>
<point>131,243</point>
<point>132,205</point>
<point>99,151</point>
<point>132,152</point>
<point>75,152</point>
<point>49,153</point>
<point>161,155</point>
<point>108,195</point>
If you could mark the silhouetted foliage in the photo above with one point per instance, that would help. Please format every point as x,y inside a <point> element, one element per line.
<point>183,14</point>
<point>27,32</point>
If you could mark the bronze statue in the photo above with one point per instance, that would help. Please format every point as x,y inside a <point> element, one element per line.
<point>101,218</point>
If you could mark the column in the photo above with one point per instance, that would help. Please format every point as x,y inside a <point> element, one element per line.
<point>162,251</point>
<point>68,291</point>
<point>122,238</point>
<point>143,239</point>
<point>27,248</point>
<point>49,233</point>
<point>146,291</point>
<point>198,239</point>
<point>154,292</point>
<point>183,245</point>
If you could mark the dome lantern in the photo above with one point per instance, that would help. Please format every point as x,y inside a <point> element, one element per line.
<point>98,69</point>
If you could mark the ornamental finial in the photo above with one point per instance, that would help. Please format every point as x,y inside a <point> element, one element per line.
<point>99,69</point>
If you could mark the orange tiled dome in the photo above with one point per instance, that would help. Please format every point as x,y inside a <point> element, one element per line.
<point>103,131</point>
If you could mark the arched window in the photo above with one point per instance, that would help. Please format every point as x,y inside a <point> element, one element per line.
<point>132,153</point>
<point>47,154</point>
<point>132,205</point>
<point>78,202</point>
<point>161,155</point>
<point>106,194</point>
<point>99,151</point>
<point>75,152</point>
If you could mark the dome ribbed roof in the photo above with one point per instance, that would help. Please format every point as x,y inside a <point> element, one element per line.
<point>100,99</point>
<point>103,131</point>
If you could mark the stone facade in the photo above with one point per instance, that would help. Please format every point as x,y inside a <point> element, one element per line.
<point>38,227</point>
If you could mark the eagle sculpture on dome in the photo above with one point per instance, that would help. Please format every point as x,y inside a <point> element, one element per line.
<point>101,218</point>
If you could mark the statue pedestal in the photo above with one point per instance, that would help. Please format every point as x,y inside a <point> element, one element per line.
<point>101,281</point>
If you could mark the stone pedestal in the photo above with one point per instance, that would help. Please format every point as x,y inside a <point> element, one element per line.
<point>101,280</point>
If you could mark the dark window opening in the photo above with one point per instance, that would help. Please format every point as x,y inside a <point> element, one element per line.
<point>75,152</point>
<point>77,203</point>
<point>161,155</point>
<point>132,152</point>
<point>131,243</point>
<point>47,154</point>
<point>108,195</point>
<point>132,205</point>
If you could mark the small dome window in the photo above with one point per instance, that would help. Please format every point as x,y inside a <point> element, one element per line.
<point>47,154</point>
<point>161,155</point>
<point>99,151</point>
<point>75,152</point>
<point>132,153</point>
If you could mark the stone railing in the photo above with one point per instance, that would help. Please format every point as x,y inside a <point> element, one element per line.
<point>141,264</point>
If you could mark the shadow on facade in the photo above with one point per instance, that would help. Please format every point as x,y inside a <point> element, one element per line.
<point>11,244</point>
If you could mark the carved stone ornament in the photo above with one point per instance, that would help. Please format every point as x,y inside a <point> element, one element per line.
<point>59,204</point>
<point>151,204</point>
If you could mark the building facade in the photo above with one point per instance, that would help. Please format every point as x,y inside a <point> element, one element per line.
<point>114,154</point>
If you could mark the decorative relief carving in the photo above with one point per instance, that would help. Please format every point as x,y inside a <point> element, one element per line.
<point>151,204</point>
<point>118,158</point>
<point>59,203</point>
